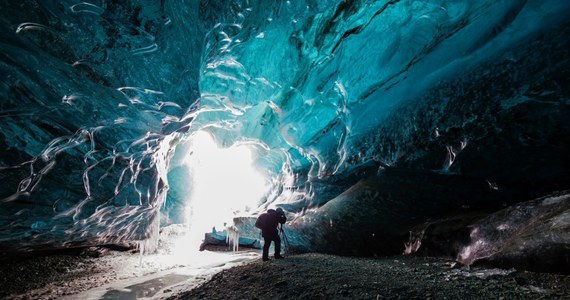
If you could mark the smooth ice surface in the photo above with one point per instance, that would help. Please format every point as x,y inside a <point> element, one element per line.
<point>100,99</point>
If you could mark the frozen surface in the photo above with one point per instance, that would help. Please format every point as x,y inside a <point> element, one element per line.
<point>151,278</point>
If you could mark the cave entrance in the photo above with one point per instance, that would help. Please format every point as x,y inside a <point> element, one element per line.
<point>224,183</point>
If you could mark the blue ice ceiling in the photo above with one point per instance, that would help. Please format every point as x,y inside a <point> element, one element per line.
<point>99,99</point>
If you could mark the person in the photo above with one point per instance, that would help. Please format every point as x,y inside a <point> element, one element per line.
<point>268,223</point>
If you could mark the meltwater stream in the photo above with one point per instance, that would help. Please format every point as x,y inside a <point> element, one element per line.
<point>159,276</point>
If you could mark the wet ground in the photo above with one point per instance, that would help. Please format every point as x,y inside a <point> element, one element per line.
<point>242,275</point>
<point>115,275</point>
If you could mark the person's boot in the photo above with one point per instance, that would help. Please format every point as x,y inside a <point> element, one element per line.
<point>265,258</point>
<point>278,256</point>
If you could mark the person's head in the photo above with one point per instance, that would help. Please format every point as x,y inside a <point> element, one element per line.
<point>280,211</point>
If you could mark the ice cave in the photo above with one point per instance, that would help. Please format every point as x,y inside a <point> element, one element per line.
<point>436,128</point>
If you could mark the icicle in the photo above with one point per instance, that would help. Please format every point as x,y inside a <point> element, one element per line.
<point>141,251</point>
<point>232,237</point>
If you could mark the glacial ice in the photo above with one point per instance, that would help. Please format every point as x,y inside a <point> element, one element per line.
<point>101,98</point>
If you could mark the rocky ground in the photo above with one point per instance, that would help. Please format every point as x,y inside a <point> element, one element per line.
<point>319,276</point>
<point>303,276</point>
<point>54,276</point>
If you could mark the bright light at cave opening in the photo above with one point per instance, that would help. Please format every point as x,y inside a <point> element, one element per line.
<point>225,183</point>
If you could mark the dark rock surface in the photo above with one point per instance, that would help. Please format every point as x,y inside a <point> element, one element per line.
<point>318,276</point>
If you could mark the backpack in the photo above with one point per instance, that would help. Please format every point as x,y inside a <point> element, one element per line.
<point>261,220</point>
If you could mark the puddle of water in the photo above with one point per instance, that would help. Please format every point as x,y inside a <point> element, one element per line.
<point>145,289</point>
<point>162,284</point>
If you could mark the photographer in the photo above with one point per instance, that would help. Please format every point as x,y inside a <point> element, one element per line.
<point>268,223</point>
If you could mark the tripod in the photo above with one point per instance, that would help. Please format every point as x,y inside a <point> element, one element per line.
<point>285,240</point>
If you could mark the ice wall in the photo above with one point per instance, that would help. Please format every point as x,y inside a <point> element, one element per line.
<point>88,102</point>
<point>98,98</point>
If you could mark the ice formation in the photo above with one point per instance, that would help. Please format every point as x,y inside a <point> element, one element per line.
<point>232,237</point>
<point>454,108</point>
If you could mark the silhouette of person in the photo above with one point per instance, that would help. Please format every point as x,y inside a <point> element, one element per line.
<point>268,223</point>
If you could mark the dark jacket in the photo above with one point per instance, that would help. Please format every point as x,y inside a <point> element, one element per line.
<point>269,221</point>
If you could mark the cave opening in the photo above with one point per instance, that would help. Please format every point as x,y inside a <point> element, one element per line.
<point>221,183</point>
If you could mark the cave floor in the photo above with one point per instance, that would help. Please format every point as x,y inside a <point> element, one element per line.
<point>113,274</point>
<point>319,276</point>
<point>242,275</point>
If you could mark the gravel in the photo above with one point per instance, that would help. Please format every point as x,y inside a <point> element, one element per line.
<point>303,276</point>
<point>319,276</point>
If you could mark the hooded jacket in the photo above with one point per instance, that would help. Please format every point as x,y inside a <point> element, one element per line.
<point>269,221</point>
